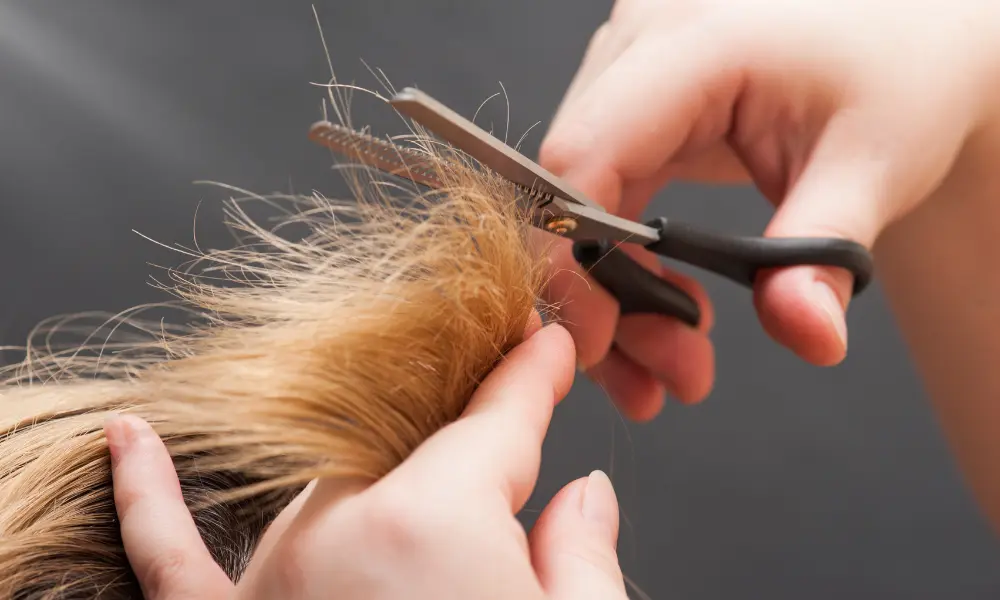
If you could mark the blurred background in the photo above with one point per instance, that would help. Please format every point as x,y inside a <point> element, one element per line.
<point>790,482</point>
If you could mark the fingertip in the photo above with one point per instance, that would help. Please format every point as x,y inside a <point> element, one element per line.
<point>573,542</point>
<point>116,434</point>
<point>600,506</point>
<point>591,498</point>
<point>636,393</point>
<point>548,355</point>
<point>141,466</point>
<point>123,433</point>
<point>559,334</point>
<point>696,378</point>
<point>803,309</point>
<point>159,536</point>
<point>561,345</point>
<point>496,444</point>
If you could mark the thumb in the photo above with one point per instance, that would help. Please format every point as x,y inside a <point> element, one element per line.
<point>854,185</point>
<point>573,543</point>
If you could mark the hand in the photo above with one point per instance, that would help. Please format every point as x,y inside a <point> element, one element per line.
<point>846,114</point>
<point>440,526</point>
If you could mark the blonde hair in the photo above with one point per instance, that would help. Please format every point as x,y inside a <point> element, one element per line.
<point>333,354</point>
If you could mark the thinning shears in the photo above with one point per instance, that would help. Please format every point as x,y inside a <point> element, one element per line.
<point>558,208</point>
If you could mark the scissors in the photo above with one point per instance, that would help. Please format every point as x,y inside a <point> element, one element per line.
<point>558,208</point>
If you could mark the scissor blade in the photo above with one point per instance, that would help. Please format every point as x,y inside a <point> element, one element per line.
<point>387,157</point>
<point>578,221</point>
<point>396,160</point>
<point>488,150</point>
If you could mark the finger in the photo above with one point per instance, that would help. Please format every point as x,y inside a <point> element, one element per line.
<point>716,164</point>
<point>496,445</point>
<point>330,492</point>
<point>604,47</point>
<point>573,542</point>
<point>282,523</point>
<point>855,184</point>
<point>689,285</point>
<point>162,543</point>
<point>614,134</point>
<point>629,123</point>
<point>635,392</point>
<point>677,355</point>
<point>585,309</point>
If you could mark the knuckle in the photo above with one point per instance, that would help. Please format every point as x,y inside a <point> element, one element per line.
<point>599,35</point>
<point>395,526</point>
<point>127,498</point>
<point>303,552</point>
<point>362,534</point>
<point>165,571</point>
<point>564,146</point>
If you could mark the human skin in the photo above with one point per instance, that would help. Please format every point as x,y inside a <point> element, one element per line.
<point>441,525</point>
<point>875,121</point>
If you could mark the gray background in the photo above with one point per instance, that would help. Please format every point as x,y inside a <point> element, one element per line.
<point>789,482</point>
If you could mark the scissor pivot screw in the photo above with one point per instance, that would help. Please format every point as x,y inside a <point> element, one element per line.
<point>560,225</point>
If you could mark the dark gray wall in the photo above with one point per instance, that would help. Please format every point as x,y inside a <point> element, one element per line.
<point>789,482</point>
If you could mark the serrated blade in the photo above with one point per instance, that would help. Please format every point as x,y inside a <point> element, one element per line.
<point>589,223</point>
<point>381,154</point>
<point>396,160</point>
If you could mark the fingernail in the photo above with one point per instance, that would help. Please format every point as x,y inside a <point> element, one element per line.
<point>829,301</point>
<point>600,505</point>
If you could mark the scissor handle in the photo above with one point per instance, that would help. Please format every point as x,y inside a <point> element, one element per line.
<point>636,288</point>
<point>737,258</point>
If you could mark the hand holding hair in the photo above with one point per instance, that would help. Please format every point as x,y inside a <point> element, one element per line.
<point>441,525</point>
<point>358,329</point>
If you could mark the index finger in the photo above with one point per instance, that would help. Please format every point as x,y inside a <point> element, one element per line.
<point>495,447</point>
<point>637,114</point>
<point>161,541</point>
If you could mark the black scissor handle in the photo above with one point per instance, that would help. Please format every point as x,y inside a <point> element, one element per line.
<point>734,257</point>
<point>738,258</point>
<point>636,288</point>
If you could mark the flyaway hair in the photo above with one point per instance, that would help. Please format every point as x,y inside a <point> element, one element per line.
<point>332,353</point>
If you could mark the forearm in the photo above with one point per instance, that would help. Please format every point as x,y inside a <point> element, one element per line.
<point>940,267</point>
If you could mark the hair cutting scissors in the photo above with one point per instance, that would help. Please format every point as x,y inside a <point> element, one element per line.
<point>558,208</point>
